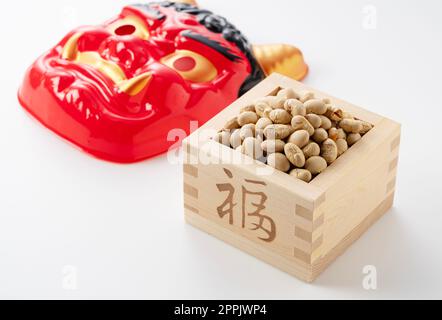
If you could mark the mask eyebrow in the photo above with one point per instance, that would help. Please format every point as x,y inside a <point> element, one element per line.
<point>215,45</point>
<point>147,9</point>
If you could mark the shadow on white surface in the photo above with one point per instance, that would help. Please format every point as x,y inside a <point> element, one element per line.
<point>377,247</point>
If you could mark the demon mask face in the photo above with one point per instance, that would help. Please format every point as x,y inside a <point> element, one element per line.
<point>117,89</point>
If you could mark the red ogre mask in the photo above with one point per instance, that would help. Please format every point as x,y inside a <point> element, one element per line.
<point>117,89</point>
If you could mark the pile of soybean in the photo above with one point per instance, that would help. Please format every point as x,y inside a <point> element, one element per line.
<point>294,133</point>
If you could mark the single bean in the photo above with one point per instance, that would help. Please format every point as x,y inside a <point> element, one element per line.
<point>325,122</point>
<point>352,138</point>
<point>320,135</point>
<point>263,123</point>
<point>248,108</point>
<point>315,106</point>
<point>329,151</point>
<point>262,109</point>
<point>273,102</point>
<point>295,107</point>
<point>311,150</point>
<point>342,146</point>
<point>252,148</point>
<point>247,131</point>
<point>307,96</point>
<point>235,139</point>
<point>334,114</point>
<point>314,120</point>
<point>301,174</point>
<point>347,115</point>
<point>299,138</point>
<point>278,161</point>
<point>341,134</point>
<point>272,146</point>
<point>247,117</point>
<point>223,137</point>
<point>288,94</point>
<point>366,127</point>
<point>232,124</point>
<point>316,165</point>
<point>301,123</point>
<point>351,126</point>
<point>278,131</point>
<point>294,154</point>
<point>280,116</point>
<point>333,133</point>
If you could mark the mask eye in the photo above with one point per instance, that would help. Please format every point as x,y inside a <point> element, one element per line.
<point>128,26</point>
<point>191,66</point>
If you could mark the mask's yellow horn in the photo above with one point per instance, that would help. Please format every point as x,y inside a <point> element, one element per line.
<point>281,58</point>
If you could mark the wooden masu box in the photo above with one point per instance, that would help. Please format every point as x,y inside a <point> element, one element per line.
<point>298,227</point>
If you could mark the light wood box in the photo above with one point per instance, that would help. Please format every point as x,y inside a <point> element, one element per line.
<point>307,226</point>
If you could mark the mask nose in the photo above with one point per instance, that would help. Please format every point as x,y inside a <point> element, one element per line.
<point>126,50</point>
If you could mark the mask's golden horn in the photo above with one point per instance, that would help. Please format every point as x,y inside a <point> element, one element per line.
<point>70,49</point>
<point>281,58</point>
<point>192,2</point>
<point>134,86</point>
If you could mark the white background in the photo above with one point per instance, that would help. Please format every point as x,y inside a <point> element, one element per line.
<point>122,228</point>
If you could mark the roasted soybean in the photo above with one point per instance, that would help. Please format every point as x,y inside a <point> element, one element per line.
<point>293,132</point>
<point>278,161</point>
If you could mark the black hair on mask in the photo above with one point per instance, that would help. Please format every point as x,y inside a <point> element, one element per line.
<point>216,24</point>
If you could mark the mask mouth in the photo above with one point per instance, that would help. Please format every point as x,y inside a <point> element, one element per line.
<point>110,69</point>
